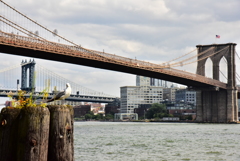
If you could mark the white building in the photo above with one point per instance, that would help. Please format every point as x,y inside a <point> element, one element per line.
<point>143,93</point>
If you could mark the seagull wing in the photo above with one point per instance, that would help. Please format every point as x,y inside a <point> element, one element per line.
<point>57,97</point>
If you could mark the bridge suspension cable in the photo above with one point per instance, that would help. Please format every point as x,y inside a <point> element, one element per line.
<point>10,68</point>
<point>237,75</point>
<point>180,56</point>
<point>206,56</point>
<point>27,31</point>
<point>30,33</point>
<point>222,74</point>
<point>35,22</point>
<point>185,60</point>
<point>21,28</point>
<point>58,81</point>
<point>237,55</point>
<point>9,77</point>
<point>52,32</point>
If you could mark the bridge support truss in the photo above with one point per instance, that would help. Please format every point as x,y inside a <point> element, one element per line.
<point>216,104</point>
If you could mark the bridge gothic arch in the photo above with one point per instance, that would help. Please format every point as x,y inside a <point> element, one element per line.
<point>208,68</point>
<point>223,70</point>
<point>216,52</point>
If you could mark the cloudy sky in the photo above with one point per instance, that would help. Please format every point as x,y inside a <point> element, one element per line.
<point>150,30</point>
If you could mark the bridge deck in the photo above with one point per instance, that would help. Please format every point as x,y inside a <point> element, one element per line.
<point>34,47</point>
<point>76,98</point>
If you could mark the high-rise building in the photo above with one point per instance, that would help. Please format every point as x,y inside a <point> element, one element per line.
<point>143,81</point>
<point>146,81</point>
<point>159,82</point>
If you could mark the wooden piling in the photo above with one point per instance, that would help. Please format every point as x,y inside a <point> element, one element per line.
<point>61,133</point>
<point>8,134</point>
<point>33,134</point>
<point>37,134</point>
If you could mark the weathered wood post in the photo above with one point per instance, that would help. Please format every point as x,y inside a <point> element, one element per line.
<point>8,134</point>
<point>61,133</point>
<point>33,134</point>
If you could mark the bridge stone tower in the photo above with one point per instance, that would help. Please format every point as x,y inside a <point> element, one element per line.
<point>217,105</point>
<point>28,69</point>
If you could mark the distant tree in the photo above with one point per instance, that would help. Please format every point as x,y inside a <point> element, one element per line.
<point>88,116</point>
<point>91,113</point>
<point>156,111</point>
<point>98,117</point>
<point>109,117</point>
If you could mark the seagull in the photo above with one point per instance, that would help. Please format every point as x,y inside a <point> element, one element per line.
<point>63,94</point>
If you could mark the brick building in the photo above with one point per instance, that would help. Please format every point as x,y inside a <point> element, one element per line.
<point>81,110</point>
<point>142,109</point>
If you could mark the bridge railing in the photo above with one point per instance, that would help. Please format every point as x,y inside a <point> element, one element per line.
<point>45,45</point>
<point>48,45</point>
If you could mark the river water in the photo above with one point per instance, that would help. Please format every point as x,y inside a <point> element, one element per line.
<point>129,141</point>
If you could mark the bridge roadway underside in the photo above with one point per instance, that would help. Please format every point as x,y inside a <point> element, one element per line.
<point>98,64</point>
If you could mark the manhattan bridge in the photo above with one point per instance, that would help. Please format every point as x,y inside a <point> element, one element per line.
<point>30,76</point>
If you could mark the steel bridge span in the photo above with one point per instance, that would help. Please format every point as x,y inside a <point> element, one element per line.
<point>73,98</point>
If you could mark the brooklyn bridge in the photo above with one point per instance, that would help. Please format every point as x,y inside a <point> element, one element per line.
<point>216,100</point>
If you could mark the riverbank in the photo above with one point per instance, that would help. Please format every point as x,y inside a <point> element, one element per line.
<point>160,121</point>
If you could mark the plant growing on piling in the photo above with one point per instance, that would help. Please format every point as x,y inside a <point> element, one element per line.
<point>23,101</point>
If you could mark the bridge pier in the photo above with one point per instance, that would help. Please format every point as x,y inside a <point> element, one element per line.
<point>218,105</point>
<point>28,69</point>
<point>232,105</point>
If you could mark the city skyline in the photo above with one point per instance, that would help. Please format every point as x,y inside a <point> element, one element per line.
<point>165,30</point>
